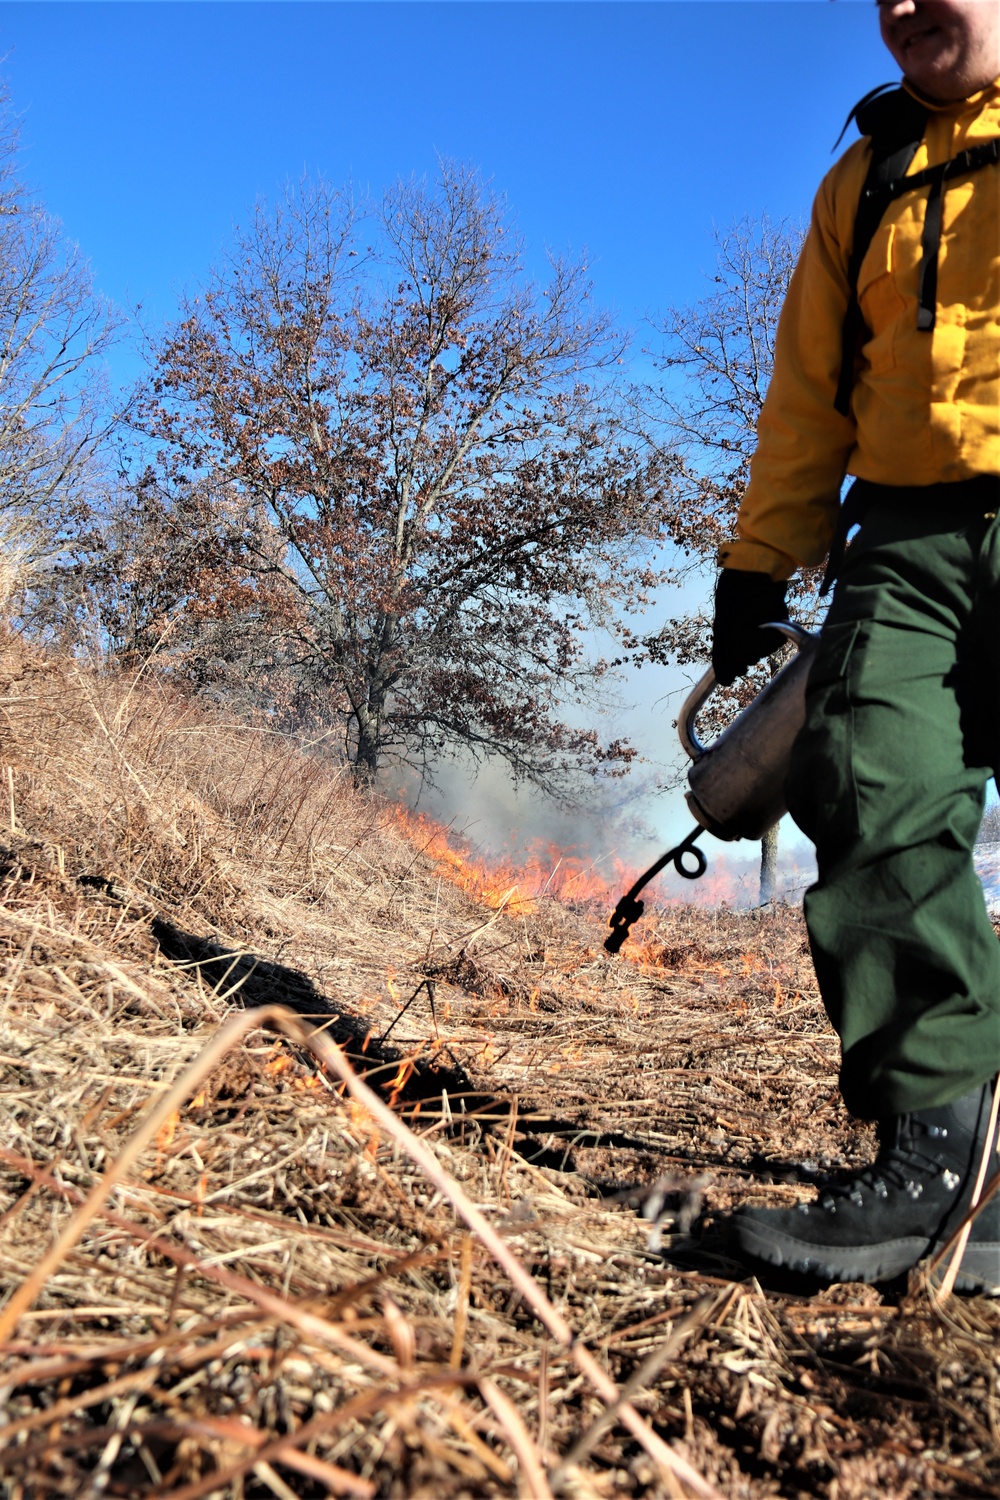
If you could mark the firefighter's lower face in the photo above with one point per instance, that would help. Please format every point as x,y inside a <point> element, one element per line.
<point>947,48</point>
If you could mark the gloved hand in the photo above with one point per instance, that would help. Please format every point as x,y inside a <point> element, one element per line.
<point>743,602</point>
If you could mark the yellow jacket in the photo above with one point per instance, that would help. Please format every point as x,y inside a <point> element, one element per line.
<point>925,406</point>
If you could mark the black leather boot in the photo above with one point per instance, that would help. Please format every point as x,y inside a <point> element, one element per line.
<point>892,1214</point>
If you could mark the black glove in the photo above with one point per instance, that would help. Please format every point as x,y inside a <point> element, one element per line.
<point>743,602</point>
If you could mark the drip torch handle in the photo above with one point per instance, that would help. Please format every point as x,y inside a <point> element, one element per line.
<point>703,688</point>
<point>693,704</point>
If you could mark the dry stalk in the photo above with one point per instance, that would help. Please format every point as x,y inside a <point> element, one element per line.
<point>332,1057</point>
<point>662,1455</point>
<point>644,1376</point>
<point>960,1238</point>
<point>351,1411</point>
<point>337,1480</point>
<point>462,1303</point>
<point>532,1483</point>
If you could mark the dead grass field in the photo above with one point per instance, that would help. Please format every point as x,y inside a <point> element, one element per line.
<point>230,1271</point>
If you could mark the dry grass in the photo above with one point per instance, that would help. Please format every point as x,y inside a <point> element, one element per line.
<point>257,1289</point>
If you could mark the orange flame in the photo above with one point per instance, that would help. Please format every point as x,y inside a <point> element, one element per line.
<point>518,883</point>
<point>515,884</point>
<point>167,1131</point>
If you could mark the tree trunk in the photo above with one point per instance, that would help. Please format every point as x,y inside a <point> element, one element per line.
<point>768,864</point>
<point>366,758</point>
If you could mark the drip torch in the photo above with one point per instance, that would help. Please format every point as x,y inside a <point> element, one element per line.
<point>736,786</point>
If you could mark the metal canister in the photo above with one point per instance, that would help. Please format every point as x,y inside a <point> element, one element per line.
<point>737,785</point>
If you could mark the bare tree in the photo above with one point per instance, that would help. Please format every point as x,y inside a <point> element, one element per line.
<point>989,829</point>
<point>444,496</point>
<point>54,330</point>
<point>716,360</point>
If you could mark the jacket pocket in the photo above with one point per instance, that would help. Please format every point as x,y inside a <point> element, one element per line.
<point>882,303</point>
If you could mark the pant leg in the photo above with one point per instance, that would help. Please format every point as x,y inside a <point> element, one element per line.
<point>888,779</point>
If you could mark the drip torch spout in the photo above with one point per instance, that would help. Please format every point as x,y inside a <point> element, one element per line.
<point>629,909</point>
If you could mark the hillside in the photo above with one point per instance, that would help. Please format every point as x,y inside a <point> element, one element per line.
<point>228,1270</point>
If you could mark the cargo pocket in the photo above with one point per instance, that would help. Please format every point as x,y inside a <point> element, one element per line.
<point>881,302</point>
<point>821,788</point>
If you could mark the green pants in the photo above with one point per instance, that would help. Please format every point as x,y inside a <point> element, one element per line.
<point>888,778</point>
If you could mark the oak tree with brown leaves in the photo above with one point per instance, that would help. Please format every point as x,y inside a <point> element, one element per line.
<point>439,499</point>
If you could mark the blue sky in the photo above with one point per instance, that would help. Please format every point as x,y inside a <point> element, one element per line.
<point>629,131</point>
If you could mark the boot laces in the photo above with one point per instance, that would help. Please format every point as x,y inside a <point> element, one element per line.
<point>900,1163</point>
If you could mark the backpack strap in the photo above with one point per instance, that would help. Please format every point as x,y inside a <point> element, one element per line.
<point>971,160</point>
<point>862,104</point>
<point>895,122</point>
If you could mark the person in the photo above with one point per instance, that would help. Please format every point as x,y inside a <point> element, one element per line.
<point>888,371</point>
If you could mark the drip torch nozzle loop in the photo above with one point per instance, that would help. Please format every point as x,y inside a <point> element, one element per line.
<point>625,913</point>
<point>630,909</point>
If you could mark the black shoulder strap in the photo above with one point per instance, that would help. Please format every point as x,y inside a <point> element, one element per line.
<point>895,122</point>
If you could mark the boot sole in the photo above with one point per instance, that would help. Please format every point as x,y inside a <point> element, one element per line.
<point>979,1274</point>
<point>866,1263</point>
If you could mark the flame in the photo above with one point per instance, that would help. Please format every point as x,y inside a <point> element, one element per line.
<point>517,883</point>
<point>363,1123</point>
<point>281,1064</point>
<point>752,964</point>
<point>403,1073</point>
<point>167,1131</point>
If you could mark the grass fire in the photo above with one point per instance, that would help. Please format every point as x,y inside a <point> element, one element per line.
<point>338,1160</point>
